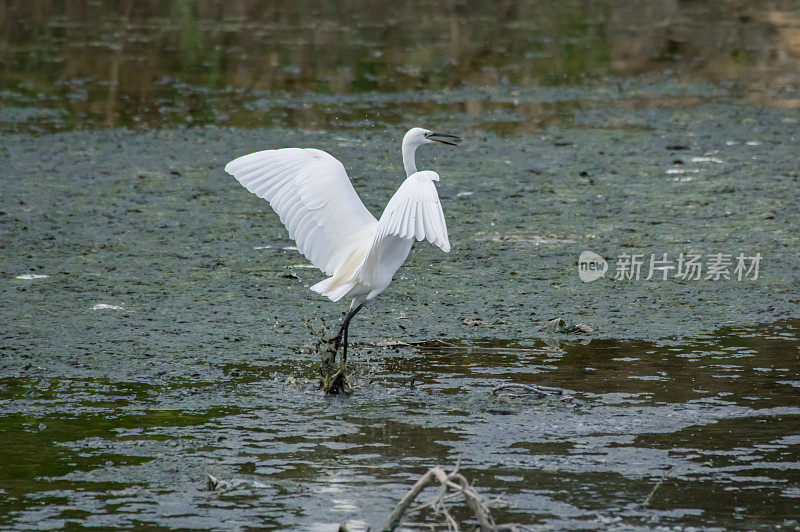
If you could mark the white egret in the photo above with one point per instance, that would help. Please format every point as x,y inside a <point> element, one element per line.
<point>311,193</point>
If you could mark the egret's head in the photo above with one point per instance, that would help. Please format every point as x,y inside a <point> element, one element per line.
<point>418,136</point>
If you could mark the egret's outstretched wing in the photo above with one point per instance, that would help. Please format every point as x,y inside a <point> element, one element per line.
<point>415,212</point>
<point>310,191</point>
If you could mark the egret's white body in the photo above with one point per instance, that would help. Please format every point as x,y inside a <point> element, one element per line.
<point>310,191</point>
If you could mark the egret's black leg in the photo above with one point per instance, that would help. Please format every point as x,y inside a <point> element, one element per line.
<point>344,349</point>
<point>343,331</point>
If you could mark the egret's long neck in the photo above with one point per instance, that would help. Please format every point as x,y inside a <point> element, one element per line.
<point>409,148</point>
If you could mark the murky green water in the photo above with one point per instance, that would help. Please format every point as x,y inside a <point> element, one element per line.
<point>153,310</point>
<point>720,412</point>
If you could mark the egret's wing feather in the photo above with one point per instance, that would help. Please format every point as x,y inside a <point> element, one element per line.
<point>415,212</point>
<point>310,191</point>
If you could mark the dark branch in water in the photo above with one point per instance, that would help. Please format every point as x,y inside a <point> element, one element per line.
<point>539,392</point>
<point>441,345</point>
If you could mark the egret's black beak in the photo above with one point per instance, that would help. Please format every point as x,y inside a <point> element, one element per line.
<point>452,140</point>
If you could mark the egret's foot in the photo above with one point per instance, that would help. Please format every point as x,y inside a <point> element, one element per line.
<point>336,382</point>
<point>333,374</point>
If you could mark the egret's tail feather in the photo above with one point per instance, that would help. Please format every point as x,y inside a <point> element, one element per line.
<point>334,294</point>
<point>322,286</point>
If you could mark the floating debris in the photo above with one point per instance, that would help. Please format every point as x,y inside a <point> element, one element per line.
<point>29,276</point>
<point>560,325</point>
<point>524,237</point>
<point>212,483</point>
<point>262,247</point>
<point>706,160</point>
<point>103,306</point>
<point>393,343</point>
<point>474,322</point>
<point>512,389</point>
<point>682,170</point>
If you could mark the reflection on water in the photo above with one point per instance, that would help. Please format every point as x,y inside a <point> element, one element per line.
<point>720,415</point>
<point>66,65</point>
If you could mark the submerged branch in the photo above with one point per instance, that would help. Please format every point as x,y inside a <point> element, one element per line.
<point>527,389</point>
<point>649,497</point>
<point>441,345</point>
<point>450,485</point>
